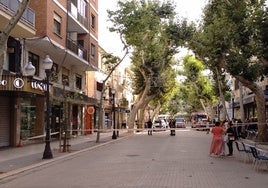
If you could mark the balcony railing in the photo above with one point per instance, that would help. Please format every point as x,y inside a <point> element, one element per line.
<point>11,6</point>
<point>77,49</point>
<point>72,8</point>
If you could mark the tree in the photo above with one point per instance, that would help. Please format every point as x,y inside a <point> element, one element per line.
<point>197,89</point>
<point>113,62</point>
<point>149,28</point>
<point>4,34</point>
<point>233,37</point>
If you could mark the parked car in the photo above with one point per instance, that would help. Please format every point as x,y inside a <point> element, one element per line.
<point>180,123</point>
<point>160,124</point>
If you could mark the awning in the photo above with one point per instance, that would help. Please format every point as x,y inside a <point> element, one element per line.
<point>58,53</point>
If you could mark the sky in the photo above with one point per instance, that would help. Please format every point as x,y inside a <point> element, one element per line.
<point>110,42</point>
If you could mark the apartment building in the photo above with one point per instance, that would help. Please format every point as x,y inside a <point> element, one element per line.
<point>120,82</point>
<point>67,31</point>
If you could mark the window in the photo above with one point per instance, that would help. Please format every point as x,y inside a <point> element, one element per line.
<point>92,51</point>
<point>99,86</point>
<point>78,82</point>
<point>65,77</point>
<point>81,6</point>
<point>93,21</point>
<point>57,24</point>
<point>35,61</point>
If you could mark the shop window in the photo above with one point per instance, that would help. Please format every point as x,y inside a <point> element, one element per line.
<point>35,61</point>
<point>57,24</point>
<point>78,82</point>
<point>30,125</point>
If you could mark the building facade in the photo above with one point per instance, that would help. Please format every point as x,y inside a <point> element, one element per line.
<point>119,81</point>
<point>247,98</point>
<point>67,31</point>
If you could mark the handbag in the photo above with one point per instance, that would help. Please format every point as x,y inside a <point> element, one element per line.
<point>225,138</point>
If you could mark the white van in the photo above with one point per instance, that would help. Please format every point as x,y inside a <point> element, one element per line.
<point>160,124</point>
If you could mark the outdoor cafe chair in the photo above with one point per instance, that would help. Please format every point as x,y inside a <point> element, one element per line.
<point>241,151</point>
<point>247,151</point>
<point>258,158</point>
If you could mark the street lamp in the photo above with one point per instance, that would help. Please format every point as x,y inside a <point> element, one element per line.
<point>113,93</point>
<point>30,71</point>
<point>47,63</point>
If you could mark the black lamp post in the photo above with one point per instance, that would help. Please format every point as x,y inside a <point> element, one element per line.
<point>30,71</point>
<point>47,66</point>
<point>114,133</point>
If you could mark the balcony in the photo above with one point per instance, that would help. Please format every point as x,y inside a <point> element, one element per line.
<point>25,28</point>
<point>77,22</point>
<point>77,49</point>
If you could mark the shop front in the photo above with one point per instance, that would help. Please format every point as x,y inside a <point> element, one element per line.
<point>77,114</point>
<point>22,110</point>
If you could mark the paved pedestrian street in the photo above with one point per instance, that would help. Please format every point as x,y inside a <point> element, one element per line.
<point>142,161</point>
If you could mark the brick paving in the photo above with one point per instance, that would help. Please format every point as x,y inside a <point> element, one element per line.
<point>142,161</point>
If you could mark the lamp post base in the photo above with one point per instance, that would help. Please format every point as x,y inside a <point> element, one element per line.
<point>47,152</point>
<point>114,135</point>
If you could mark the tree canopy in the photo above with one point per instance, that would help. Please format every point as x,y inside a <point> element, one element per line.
<point>151,30</point>
<point>233,38</point>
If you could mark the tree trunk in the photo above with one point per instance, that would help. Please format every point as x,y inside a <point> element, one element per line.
<point>222,99</point>
<point>140,101</point>
<point>262,126</point>
<point>242,112</point>
<point>156,111</point>
<point>140,121</point>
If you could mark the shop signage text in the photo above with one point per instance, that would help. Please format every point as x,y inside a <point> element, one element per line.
<point>38,85</point>
<point>19,83</point>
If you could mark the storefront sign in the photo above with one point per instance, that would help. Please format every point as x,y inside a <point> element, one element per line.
<point>15,83</point>
<point>90,110</point>
<point>3,82</point>
<point>38,85</point>
<point>18,83</point>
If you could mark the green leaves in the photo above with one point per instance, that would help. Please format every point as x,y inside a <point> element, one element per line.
<point>232,33</point>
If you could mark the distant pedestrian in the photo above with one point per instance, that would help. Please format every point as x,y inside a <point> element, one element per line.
<point>231,137</point>
<point>172,126</point>
<point>149,125</point>
<point>216,143</point>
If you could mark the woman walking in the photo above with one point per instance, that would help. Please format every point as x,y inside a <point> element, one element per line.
<point>216,143</point>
